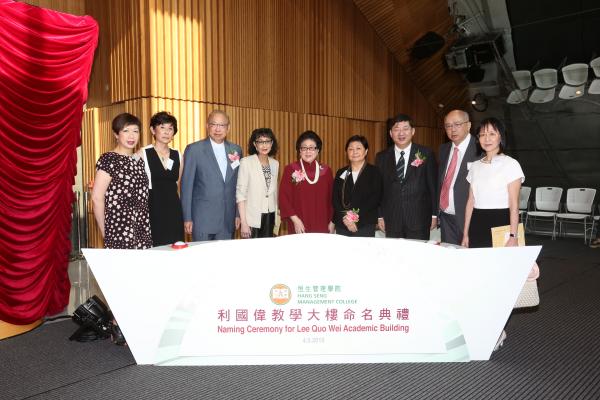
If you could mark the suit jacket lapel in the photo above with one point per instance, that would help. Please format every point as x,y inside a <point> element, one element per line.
<point>229,170</point>
<point>271,188</point>
<point>467,157</point>
<point>391,162</point>
<point>411,158</point>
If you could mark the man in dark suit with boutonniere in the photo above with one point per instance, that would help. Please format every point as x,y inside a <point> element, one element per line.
<point>209,181</point>
<point>453,187</point>
<point>409,205</point>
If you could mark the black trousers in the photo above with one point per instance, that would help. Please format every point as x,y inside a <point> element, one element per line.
<point>482,222</point>
<point>267,223</point>
<point>367,230</point>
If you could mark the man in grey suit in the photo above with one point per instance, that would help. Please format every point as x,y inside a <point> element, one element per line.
<point>208,183</point>
<point>453,188</point>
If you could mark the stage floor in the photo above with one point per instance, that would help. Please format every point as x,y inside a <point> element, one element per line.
<point>552,352</point>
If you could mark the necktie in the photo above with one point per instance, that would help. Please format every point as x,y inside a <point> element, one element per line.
<point>400,166</point>
<point>445,195</point>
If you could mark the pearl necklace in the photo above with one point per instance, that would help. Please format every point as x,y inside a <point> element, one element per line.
<point>316,178</point>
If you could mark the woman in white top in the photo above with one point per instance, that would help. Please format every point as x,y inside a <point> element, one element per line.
<point>256,191</point>
<point>494,193</point>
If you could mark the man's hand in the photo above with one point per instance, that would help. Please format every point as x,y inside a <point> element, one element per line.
<point>381,224</point>
<point>187,226</point>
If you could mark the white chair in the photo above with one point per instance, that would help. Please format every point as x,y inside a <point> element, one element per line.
<point>547,204</point>
<point>579,209</point>
<point>524,203</point>
<point>595,220</point>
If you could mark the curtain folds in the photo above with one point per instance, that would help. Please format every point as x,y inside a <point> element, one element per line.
<point>45,63</point>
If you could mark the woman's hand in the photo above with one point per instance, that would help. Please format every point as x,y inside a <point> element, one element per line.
<point>465,241</point>
<point>245,231</point>
<point>331,227</point>
<point>298,225</point>
<point>351,226</point>
<point>512,242</point>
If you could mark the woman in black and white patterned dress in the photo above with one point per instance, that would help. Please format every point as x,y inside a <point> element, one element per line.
<point>120,192</point>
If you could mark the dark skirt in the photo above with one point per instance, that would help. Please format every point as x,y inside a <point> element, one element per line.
<point>482,221</point>
<point>267,223</point>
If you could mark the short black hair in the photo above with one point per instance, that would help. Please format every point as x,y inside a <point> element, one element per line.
<point>309,135</point>
<point>399,118</point>
<point>163,117</point>
<point>498,126</point>
<point>262,132</point>
<point>358,138</point>
<point>125,119</point>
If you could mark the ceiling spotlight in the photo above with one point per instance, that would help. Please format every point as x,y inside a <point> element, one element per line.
<point>479,102</point>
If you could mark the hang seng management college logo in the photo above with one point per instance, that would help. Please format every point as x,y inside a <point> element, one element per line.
<point>280,294</point>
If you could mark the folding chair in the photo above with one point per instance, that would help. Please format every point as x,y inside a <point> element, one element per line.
<point>524,203</point>
<point>547,204</point>
<point>579,209</point>
<point>595,220</point>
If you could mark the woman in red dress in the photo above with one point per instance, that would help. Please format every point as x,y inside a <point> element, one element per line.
<point>305,189</point>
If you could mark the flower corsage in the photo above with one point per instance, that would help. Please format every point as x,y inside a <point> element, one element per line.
<point>233,156</point>
<point>298,176</point>
<point>352,215</point>
<point>419,159</point>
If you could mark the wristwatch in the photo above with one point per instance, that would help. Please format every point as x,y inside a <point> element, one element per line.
<point>514,235</point>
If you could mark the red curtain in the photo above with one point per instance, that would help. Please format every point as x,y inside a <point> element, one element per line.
<point>45,63</point>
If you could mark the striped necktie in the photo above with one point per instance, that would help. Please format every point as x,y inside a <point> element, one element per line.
<point>400,166</point>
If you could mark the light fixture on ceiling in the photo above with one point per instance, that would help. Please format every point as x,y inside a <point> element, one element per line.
<point>595,85</point>
<point>479,102</point>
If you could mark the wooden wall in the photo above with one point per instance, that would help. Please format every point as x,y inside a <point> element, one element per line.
<point>291,65</point>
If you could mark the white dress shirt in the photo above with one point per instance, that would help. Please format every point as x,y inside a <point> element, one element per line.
<point>219,150</point>
<point>462,149</point>
<point>406,156</point>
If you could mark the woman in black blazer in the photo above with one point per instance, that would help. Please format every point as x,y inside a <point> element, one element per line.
<point>357,191</point>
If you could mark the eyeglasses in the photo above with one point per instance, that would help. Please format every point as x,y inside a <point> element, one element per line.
<point>215,125</point>
<point>455,125</point>
<point>265,142</point>
<point>311,148</point>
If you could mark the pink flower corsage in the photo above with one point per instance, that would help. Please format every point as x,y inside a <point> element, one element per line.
<point>297,176</point>
<point>419,159</point>
<point>352,215</point>
<point>233,156</point>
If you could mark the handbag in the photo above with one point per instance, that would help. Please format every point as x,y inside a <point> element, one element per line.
<point>529,296</point>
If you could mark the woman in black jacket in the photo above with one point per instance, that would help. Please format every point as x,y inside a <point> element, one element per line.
<point>357,191</point>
